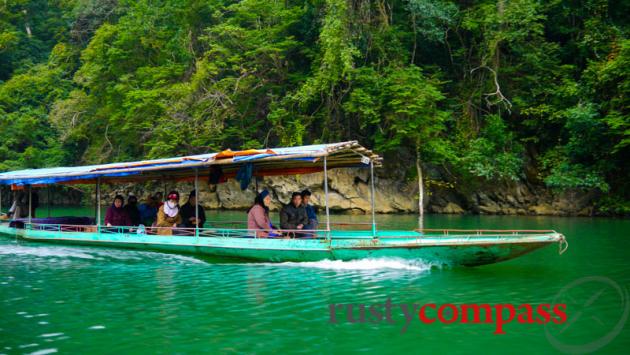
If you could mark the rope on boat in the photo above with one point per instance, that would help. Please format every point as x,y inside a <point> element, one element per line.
<point>563,245</point>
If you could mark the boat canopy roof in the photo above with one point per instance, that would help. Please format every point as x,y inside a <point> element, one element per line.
<point>264,162</point>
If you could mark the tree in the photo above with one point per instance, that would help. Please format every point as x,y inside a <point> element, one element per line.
<point>405,108</point>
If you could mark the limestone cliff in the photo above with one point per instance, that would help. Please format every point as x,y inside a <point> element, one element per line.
<point>349,191</point>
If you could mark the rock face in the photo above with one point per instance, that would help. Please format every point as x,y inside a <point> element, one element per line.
<point>58,196</point>
<point>349,192</point>
<point>516,198</point>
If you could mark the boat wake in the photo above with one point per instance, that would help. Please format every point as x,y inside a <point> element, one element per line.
<point>44,252</point>
<point>375,264</point>
<point>66,253</point>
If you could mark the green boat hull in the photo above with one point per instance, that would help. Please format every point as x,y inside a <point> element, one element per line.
<point>456,250</point>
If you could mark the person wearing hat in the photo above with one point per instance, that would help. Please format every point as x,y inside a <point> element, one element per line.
<point>188,212</point>
<point>168,215</point>
<point>258,217</point>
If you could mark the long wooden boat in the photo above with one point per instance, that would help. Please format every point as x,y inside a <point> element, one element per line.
<point>465,248</point>
<point>335,242</point>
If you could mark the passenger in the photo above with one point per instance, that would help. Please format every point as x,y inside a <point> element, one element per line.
<point>188,212</point>
<point>148,211</point>
<point>258,217</point>
<point>34,202</point>
<point>19,208</point>
<point>116,214</point>
<point>313,223</point>
<point>168,215</point>
<point>132,210</point>
<point>293,215</point>
<point>159,197</point>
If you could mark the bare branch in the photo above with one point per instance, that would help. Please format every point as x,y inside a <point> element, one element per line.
<point>499,98</point>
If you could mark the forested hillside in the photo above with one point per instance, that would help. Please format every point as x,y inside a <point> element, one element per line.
<point>478,91</point>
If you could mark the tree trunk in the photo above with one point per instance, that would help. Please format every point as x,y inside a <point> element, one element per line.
<point>27,27</point>
<point>420,192</point>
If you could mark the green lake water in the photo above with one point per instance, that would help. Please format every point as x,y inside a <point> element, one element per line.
<point>96,300</point>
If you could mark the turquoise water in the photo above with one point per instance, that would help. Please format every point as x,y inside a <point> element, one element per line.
<point>97,300</point>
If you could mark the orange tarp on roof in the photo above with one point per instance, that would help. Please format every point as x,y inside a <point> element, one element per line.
<point>228,153</point>
<point>15,187</point>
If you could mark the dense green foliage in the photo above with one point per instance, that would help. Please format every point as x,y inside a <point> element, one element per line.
<point>486,90</point>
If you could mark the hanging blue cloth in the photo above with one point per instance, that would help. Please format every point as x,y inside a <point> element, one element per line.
<point>244,175</point>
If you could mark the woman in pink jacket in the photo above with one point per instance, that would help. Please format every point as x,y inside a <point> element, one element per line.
<point>258,217</point>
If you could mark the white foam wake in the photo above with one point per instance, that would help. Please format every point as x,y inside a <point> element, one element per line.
<point>44,252</point>
<point>94,254</point>
<point>364,264</point>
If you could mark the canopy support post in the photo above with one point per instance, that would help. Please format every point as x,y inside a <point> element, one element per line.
<point>30,204</point>
<point>164,197</point>
<point>98,203</point>
<point>48,192</point>
<point>196,202</point>
<point>326,194</point>
<point>372,194</point>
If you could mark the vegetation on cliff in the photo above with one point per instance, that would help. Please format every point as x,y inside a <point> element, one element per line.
<point>482,90</point>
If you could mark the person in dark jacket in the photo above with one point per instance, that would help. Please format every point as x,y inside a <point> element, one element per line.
<point>310,210</point>
<point>21,203</point>
<point>293,215</point>
<point>34,202</point>
<point>159,197</point>
<point>188,212</point>
<point>132,210</point>
<point>116,214</point>
<point>148,210</point>
<point>19,209</point>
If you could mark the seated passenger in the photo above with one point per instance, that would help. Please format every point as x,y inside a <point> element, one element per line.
<point>116,215</point>
<point>132,210</point>
<point>310,211</point>
<point>148,211</point>
<point>168,215</point>
<point>258,217</point>
<point>188,212</point>
<point>34,202</point>
<point>159,197</point>
<point>19,208</point>
<point>293,215</point>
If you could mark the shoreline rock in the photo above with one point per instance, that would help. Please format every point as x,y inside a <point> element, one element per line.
<point>349,192</point>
